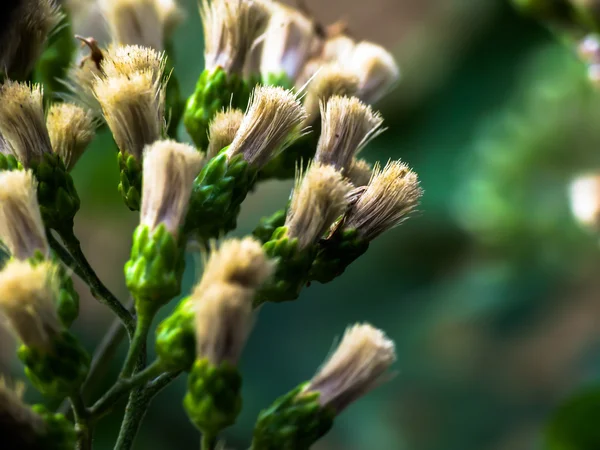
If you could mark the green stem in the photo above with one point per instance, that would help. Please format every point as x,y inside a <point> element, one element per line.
<point>122,387</point>
<point>64,255</point>
<point>138,343</point>
<point>82,423</point>
<point>209,442</point>
<point>136,409</point>
<point>97,288</point>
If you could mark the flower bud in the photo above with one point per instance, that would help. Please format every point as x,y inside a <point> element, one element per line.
<point>384,203</point>
<point>21,226</point>
<point>331,80</point>
<point>140,22</point>
<point>376,69</point>
<point>71,129</point>
<point>24,28</point>
<point>358,365</point>
<point>348,125</point>
<point>289,42</point>
<point>360,172</point>
<point>222,130</point>
<point>22,122</point>
<point>28,297</point>
<point>318,199</point>
<point>169,171</point>
<point>230,29</point>
<point>270,124</point>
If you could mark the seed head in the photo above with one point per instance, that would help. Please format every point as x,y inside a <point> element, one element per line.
<point>358,365</point>
<point>347,125</point>
<point>20,426</point>
<point>289,42</point>
<point>22,121</point>
<point>230,29</point>
<point>130,59</point>
<point>376,69</point>
<point>133,107</point>
<point>271,123</point>
<point>385,202</point>
<point>21,226</point>
<point>24,30</point>
<point>360,172</point>
<point>240,262</point>
<point>318,199</point>
<point>169,172</point>
<point>222,130</point>
<point>28,297</point>
<point>331,80</point>
<point>71,129</point>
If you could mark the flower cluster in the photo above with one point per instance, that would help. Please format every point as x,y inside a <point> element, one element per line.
<point>280,96</point>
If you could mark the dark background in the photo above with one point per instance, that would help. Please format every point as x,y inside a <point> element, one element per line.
<point>490,292</point>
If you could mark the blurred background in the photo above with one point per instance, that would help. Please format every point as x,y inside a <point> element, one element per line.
<point>491,291</point>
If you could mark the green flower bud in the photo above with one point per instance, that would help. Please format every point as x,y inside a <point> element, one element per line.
<point>59,370</point>
<point>59,433</point>
<point>215,91</point>
<point>130,180</point>
<point>8,162</point>
<point>213,400</point>
<point>268,224</point>
<point>176,338</point>
<point>294,422</point>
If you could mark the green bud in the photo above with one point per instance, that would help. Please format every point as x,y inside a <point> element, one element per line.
<point>280,79</point>
<point>217,195</point>
<point>293,266</point>
<point>130,180</point>
<point>268,224</point>
<point>215,90</point>
<point>57,372</point>
<point>176,338</point>
<point>153,272</point>
<point>59,432</point>
<point>9,162</point>
<point>57,195</point>
<point>336,254</point>
<point>213,400</point>
<point>294,422</point>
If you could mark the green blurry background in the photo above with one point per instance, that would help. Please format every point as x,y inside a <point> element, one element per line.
<point>491,291</point>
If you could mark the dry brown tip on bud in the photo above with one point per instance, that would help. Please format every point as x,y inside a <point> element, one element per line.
<point>360,172</point>
<point>240,262</point>
<point>19,425</point>
<point>358,365</point>
<point>22,121</point>
<point>390,196</point>
<point>318,200</point>
<point>28,297</point>
<point>230,30</point>
<point>21,225</point>
<point>289,41</point>
<point>169,172</point>
<point>223,322</point>
<point>222,130</point>
<point>133,107</point>
<point>71,130</point>
<point>273,120</point>
<point>140,22</point>
<point>24,30</point>
<point>584,194</point>
<point>377,70</point>
<point>347,125</point>
<point>331,80</point>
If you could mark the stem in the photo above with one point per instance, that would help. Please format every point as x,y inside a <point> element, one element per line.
<point>64,255</point>
<point>209,442</point>
<point>138,344</point>
<point>121,387</point>
<point>136,409</point>
<point>97,288</point>
<point>82,424</point>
